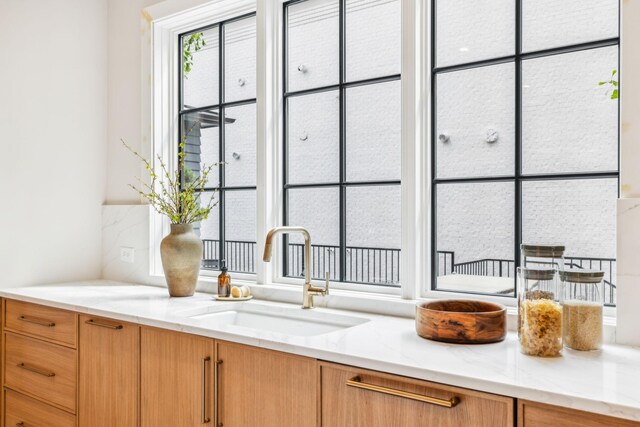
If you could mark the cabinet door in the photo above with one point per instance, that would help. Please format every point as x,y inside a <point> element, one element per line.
<point>265,388</point>
<point>353,397</point>
<point>532,414</point>
<point>176,379</point>
<point>109,373</point>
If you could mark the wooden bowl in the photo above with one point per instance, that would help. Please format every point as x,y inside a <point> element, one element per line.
<point>461,321</point>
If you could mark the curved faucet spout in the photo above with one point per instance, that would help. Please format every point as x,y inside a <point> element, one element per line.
<point>308,290</point>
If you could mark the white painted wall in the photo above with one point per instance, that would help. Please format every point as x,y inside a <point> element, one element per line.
<point>53,122</point>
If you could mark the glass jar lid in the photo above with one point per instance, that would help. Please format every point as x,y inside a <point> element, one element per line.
<point>542,251</point>
<point>538,273</point>
<point>581,276</point>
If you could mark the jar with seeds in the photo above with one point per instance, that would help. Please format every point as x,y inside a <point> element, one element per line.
<point>582,308</point>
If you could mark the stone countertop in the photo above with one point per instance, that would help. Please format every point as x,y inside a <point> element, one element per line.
<point>606,382</point>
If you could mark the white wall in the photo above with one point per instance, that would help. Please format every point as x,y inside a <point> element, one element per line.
<point>53,81</point>
<point>126,97</point>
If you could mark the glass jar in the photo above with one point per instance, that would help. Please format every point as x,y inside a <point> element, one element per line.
<point>582,308</point>
<point>539,314</point>
<point>541,256</point>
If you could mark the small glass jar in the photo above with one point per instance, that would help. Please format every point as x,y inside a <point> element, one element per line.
<point>582,308</point>
<point>539,314</point>
<point>541,256</point>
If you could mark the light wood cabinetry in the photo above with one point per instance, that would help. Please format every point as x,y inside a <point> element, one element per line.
<point>176,379</point>
<point>40,369</point>
<point>108,378</point>
<point>46,323</point>
<point>532,414</point>
<point>25,411</point>
<point>353,397</point>
<point>265,388</point>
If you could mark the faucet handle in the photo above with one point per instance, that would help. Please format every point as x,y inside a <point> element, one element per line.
<point>326,283</point>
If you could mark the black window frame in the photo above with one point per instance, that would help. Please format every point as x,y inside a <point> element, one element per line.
<point>342,184</point>
<point>518,178</point>
<point>221,106</point>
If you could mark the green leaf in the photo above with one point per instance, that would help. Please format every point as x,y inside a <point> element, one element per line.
<point>614,94</point>
<point>602,83</point>
<point>615,83</point>
<point>614,73</point>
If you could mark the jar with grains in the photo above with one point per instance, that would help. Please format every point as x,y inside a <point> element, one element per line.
<point>539,314</point>
<point>582,308</point>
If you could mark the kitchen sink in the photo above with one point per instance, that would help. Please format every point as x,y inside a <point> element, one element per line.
<point>286,319</point>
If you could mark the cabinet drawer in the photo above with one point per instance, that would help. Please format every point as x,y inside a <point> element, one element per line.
<point>353,397</point>
<point>532,414</point>
<point>31,413</point>
<point>44,370</point>
<point>48,323</point>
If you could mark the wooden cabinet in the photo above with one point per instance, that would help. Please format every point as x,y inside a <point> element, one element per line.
<point>176,379</point>
<point>258,387</point>
<point>25,411</point>
<point>45,323</point>
<point>532,414</point>
<point>40,369</point>
<point>108,379</point>
<point>353,397</point>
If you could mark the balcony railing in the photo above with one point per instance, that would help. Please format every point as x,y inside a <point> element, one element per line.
<point>378,266</point>
<point>505,268</point>
<point>381,266</point>
<point>363,265</point>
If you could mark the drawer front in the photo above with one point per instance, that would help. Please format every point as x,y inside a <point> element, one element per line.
<point>531,414</point>
<point>44,370</point>
<point>48,323</point>
<point>353,397</point>
<point>21,410</point>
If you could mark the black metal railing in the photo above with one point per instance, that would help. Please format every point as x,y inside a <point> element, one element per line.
<point>506,268</point>
<point>240,256</point>
<point>378,266</point>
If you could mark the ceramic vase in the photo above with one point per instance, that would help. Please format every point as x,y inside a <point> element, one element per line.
<point>181,253</point>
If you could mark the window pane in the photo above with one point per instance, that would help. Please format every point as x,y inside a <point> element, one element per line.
<point>468,31</point>
<point>580,214</point>
<point>373,235</point>
<point>200,68</point>
<point>549,23</point>
<point>372,38</point>
<point>317,209</point>
<point>209,232</point>
<point>475,110</point>
<point>475,241</point>
<point>240,146</point>
<point>240,230</point>
<point>201,134</point>
<point>373,132</point>
<point>240,60</point>
<point>312,44</point>
<point>570,124</point>
<point>313,138</point>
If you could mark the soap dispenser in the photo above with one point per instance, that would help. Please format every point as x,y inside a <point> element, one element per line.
<point>224,281</point>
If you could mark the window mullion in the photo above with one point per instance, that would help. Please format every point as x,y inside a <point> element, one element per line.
<point>343,159</point>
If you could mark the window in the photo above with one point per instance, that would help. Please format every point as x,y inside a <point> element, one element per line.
<point>524,141</point>
<point>218,125</point>
<point>342,138</point>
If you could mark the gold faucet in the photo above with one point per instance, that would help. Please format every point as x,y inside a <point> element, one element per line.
<point>308,291</point>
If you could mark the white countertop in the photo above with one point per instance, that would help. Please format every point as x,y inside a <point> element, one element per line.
<point>606,382</point>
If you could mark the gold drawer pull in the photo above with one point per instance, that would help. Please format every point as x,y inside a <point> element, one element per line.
<point>36,321</point>
<point>36,370</point>
<point>21,424</point>
<point>203,414</point>
<point>103,325</point>
<point>447,403</point>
